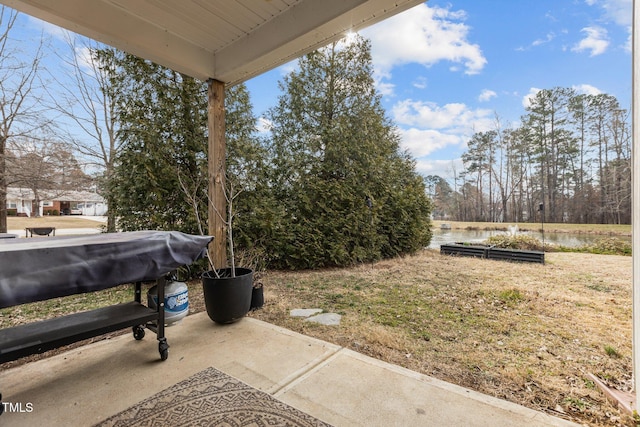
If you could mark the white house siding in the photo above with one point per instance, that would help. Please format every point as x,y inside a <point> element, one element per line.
<point>91,204</point>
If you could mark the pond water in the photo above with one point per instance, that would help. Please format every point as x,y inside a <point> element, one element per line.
<point>476,236</point>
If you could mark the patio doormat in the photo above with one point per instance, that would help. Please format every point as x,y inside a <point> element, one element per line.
<point>211,398</point>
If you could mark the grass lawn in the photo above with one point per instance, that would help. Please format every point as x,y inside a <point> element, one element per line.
<point>605,229</point>
<point>66,221</point>
<point>527,333</point>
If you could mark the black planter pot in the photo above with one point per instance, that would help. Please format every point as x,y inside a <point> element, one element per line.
<point>227,299</point>
<point>257,297</point>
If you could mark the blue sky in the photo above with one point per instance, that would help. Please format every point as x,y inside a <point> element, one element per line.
<point>447,68</point>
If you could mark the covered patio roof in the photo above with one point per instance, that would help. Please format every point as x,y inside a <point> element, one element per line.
<point>225,40</point>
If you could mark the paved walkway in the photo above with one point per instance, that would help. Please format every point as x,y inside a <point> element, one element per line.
<point>88,384</point>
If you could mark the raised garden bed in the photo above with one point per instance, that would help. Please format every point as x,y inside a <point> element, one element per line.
<point>465,249</point>
<point>491,252</point>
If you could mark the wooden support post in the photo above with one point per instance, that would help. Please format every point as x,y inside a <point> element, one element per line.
<point>635,199</point>
<point>216,174</point>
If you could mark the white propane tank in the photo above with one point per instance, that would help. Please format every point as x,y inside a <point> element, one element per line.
<point>176,301</point>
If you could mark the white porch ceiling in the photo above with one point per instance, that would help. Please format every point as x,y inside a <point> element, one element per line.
<point>227,40</point>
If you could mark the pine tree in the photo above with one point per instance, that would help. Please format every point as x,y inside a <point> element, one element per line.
<point>346,193</point>
<point>160,177</point>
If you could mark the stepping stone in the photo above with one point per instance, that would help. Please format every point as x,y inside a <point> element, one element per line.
<point>304,312</point>
<point>325,319</point>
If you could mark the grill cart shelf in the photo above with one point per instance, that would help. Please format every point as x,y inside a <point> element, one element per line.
<point>38,337</point>
<point>41,269</point>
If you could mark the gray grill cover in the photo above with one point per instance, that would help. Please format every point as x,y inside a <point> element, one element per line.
<point>43,268</point>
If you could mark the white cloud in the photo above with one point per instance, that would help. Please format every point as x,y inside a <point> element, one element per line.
<point>547,39</point>
<point>595,41</point>
<point>486,95</point>
<point>628,46</point>
<point>384,88</point>
<point>420,83</point>
<point>424,35</point>
<point>264,125</point>
<point>456,117</point>
<point>619,11</point>
<point>83,56</point>
<point>421,143</point>
<point>587,89</point>
<point>526,100</point>
<point>427,127</point>
<point>447,169</point>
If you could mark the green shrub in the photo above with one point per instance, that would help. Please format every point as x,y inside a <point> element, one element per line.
<point>605,246</point>
<point>608,246</point>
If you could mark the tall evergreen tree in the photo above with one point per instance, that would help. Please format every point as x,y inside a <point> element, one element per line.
<point>345,190</point>
<point>162,117</point>
<point>572,153</point>
<point>160,176</point>
<point>547,120</point>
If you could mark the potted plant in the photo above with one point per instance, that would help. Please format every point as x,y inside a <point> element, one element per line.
<point>228,291</point>
<point>227,297</point>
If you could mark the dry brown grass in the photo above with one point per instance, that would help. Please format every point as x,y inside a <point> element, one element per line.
<point>527,333</point>
<point>20,223</point>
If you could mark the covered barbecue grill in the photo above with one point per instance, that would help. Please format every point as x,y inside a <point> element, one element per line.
<point>39,269</point>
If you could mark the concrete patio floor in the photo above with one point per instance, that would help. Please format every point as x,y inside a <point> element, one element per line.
<point>88,384</point>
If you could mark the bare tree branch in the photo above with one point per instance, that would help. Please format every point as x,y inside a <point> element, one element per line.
<point>20,105</point>
<point>87,105</point>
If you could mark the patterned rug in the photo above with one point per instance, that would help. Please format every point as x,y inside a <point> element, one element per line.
<point>211,398</point>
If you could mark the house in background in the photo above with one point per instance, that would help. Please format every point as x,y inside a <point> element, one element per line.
<point>22,202</point>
